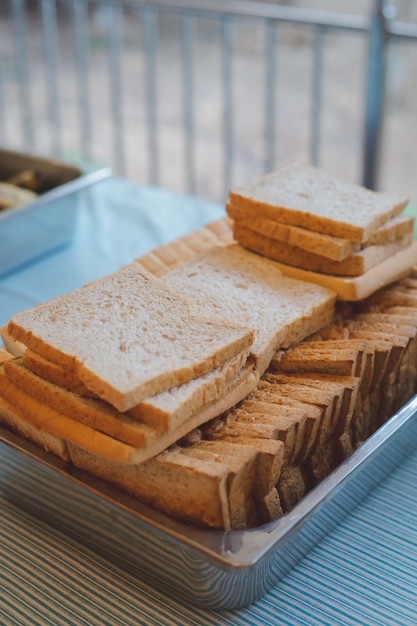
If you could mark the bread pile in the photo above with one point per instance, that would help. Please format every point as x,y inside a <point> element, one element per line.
<point>324,230</point>
<point>209,384</point>
<point>113,374</point>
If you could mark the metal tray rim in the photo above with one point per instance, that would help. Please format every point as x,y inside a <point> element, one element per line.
<point>237,549</point>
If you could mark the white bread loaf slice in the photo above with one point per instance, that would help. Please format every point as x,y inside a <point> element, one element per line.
<point>168,409</point>
<point>200,494</point>
<point>356,264</point>
<point>336,248</point>
<point>15,348</point>
<point>31,432</point>
<point>4,355</point>
<point>145,337</point>
<point>235,284</point>
<point>353,289</point>
<point>393,229</point>
<point>89,411</point>
<point>163,412</point>
<point>54,373</point>
<point>302,195</point>
<point>39,414</point>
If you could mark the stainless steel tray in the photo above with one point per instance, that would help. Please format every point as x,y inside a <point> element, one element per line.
<point>218,570</point>
<point>39,227</point>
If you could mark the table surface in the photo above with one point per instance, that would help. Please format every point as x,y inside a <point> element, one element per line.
<point>363,572</point>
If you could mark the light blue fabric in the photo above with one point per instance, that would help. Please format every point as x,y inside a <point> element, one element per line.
<point>117,222</point>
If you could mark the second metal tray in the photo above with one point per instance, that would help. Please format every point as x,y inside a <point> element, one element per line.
<point>46,223</point>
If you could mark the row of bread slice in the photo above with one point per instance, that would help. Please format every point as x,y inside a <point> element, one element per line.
<point>126,366</point>
<point>325,230</point>
<point>317,401</point>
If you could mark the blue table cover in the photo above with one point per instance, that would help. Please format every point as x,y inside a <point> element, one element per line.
<point>363,572</point>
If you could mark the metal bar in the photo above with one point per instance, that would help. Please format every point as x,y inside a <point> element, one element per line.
<point>2,103</point>
<point>51,53</point>
<point>317,80</point>
<point>227,91</point>
<point>150,43</point>
<point>80,15</point>
<point>402,31</point>
<point>374,112</point>
<point>187,44</point>
<point>116,92</point>
<point>22,70</point>
<point>252,9</point>
<point>270,87</point>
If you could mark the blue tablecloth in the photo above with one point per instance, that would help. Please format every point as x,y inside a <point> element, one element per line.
<point>364,572</point>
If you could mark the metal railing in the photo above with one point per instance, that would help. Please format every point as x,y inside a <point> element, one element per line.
<point>85,78</point>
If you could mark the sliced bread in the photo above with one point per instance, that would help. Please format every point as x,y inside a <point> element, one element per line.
<point>303,195</point>
<point>146,337</point>
<point>335,248</point>
<point>356,264</point>
<point>353,289</point>
<point>235,284</point>
<point>37,413</point>
<point>164,411</point>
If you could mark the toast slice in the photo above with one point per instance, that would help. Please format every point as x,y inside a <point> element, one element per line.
<point>356,264</point>
<point>150,338</point>
<point>354,289</point>
<point>235,284</point>
<point>302,195</point>
<point>335,248</point>
<point>59,423</point>
<point>164,411</point>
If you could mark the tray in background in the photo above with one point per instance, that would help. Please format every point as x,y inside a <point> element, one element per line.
<point>30,230</point>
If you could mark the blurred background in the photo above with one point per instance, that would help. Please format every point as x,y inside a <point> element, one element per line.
<point>198,96</point>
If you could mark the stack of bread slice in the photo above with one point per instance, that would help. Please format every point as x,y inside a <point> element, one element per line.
<point>102,363</point>
<point>324,230</point>
<point>112,375</point>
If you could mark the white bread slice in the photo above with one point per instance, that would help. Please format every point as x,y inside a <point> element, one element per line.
<point>356,264</point>
<point>200,494</point>
<point>168,409</point>
<point>303,195</point>
<point>38,414</point>
<point>232,283</point>
<point>393,229</point>
<point>54,373</point>
<point>353,289</point>
<point>128,336</point>
<point>335,248</point>
<point>32,432</point>
<point>4,355</point>
<point>165,411</point>
<point>89,411</point>
<point>15,348</point>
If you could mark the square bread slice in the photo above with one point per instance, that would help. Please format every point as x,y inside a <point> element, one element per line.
<point>303,195</point>
<point>235,284</point>
<point>356,264</point>
<point>40,415</point>
<point>335,248</point>
<point>353,289</point>
<point>128,336</point>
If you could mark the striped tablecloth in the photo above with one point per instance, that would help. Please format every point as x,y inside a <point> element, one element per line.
<point>364,572</point>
